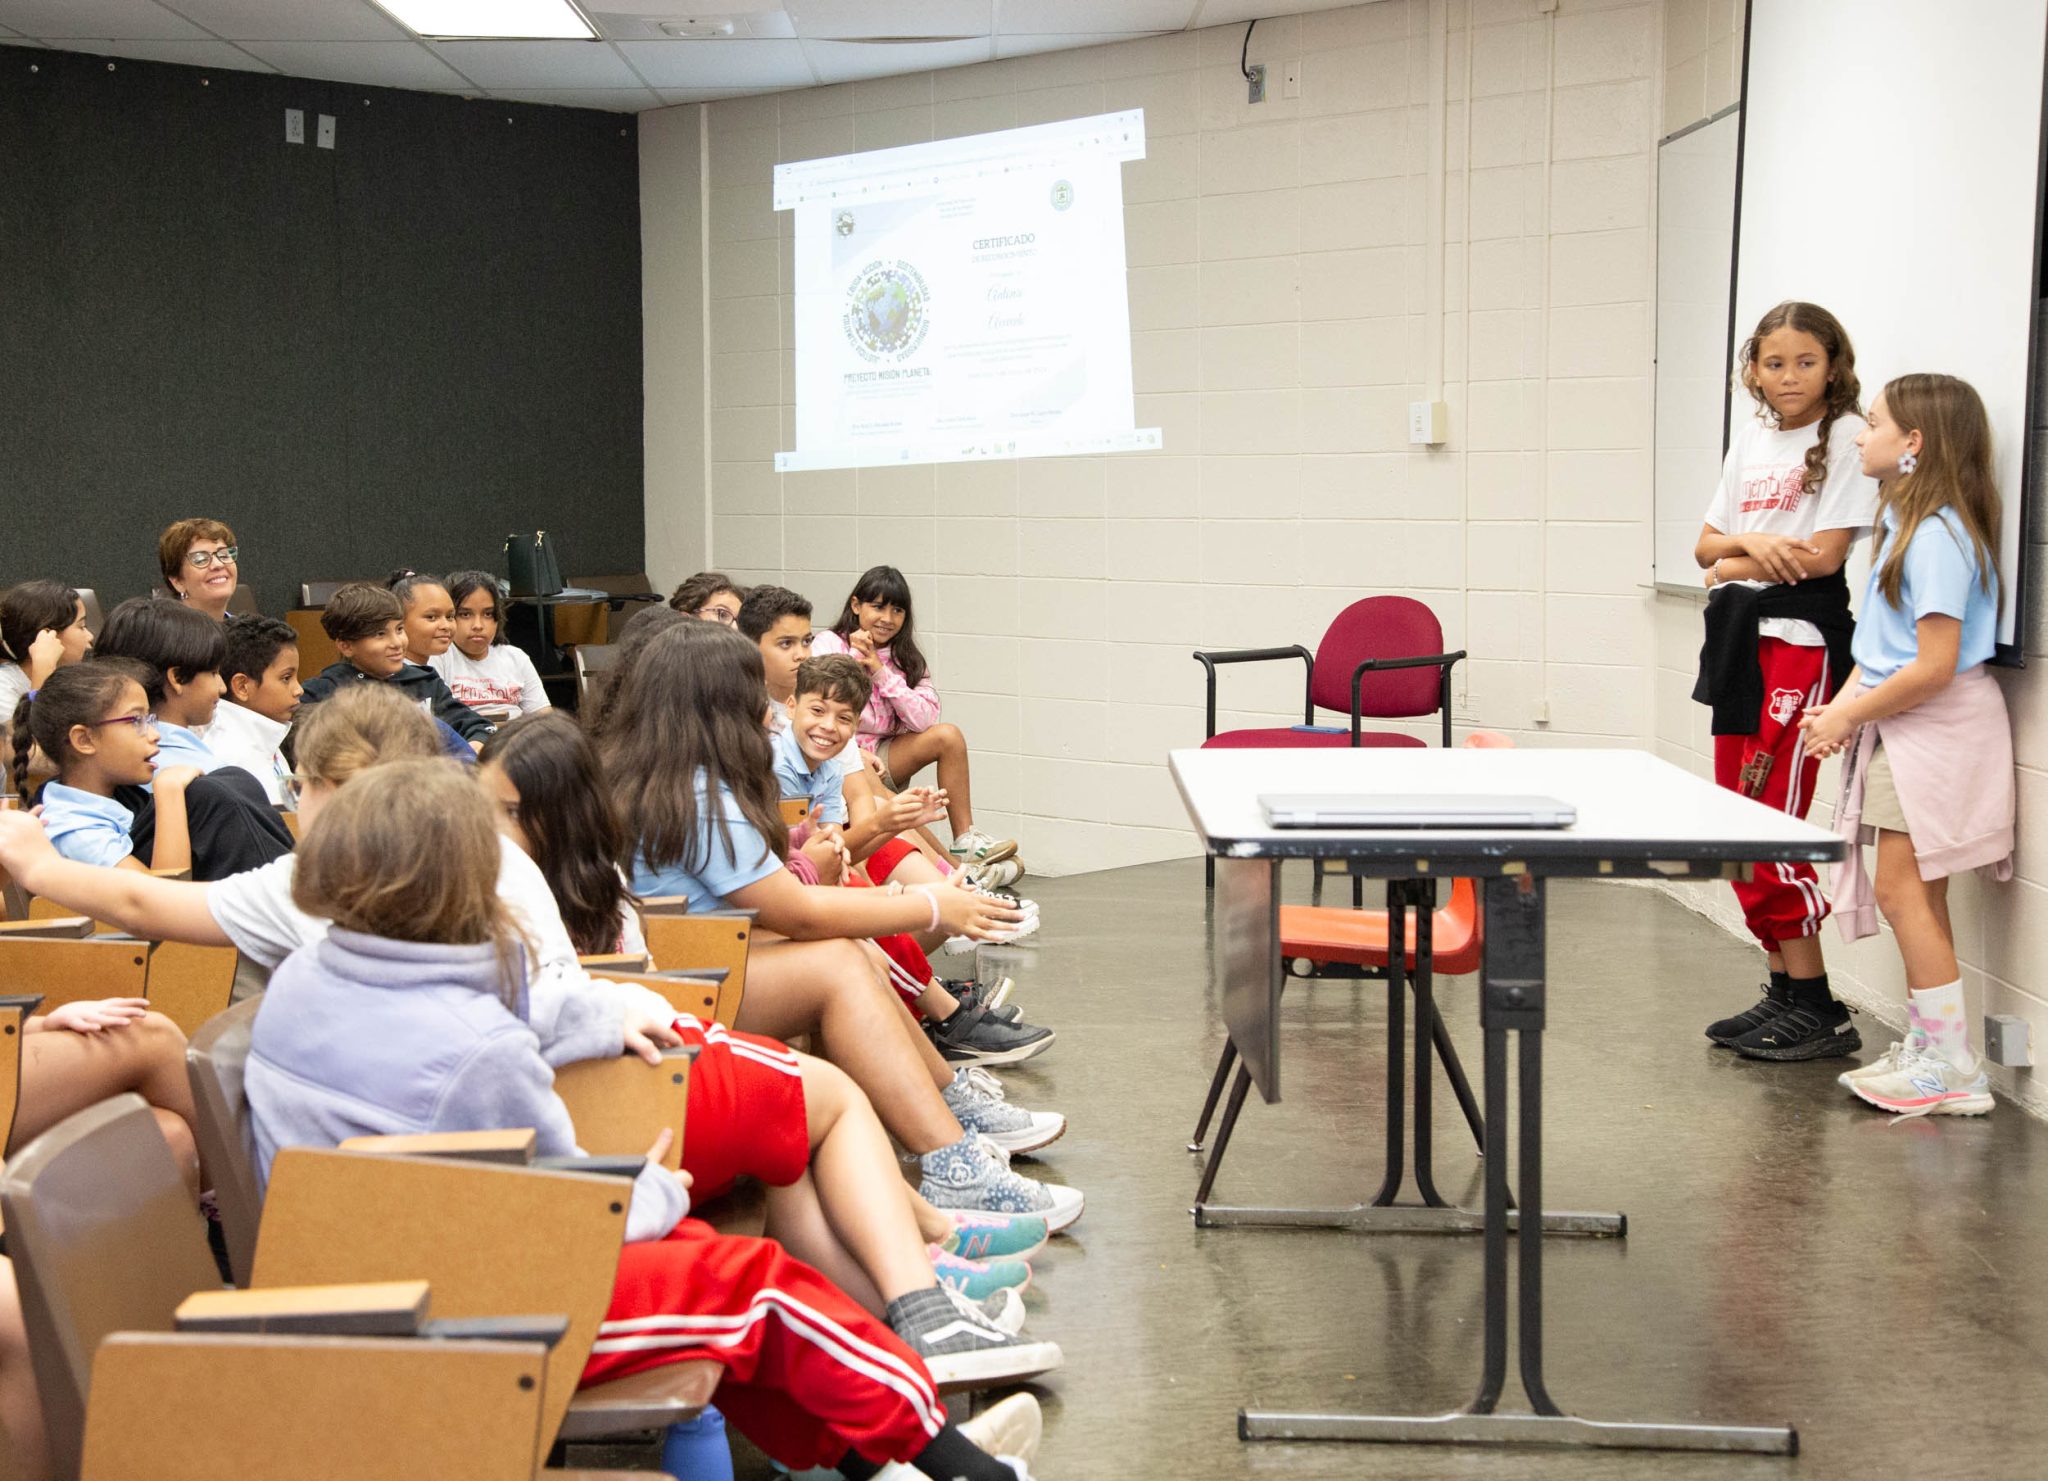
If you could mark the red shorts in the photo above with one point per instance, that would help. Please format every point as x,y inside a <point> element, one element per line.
<point>809,1374</point>
<point>746,1110</point>
<point>883,861</point>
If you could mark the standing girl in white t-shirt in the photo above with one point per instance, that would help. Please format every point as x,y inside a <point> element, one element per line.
<point>1793,498</point>
<point>493,678</point>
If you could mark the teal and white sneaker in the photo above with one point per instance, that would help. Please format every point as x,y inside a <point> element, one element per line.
<point>1922,1084</point>
<point>977,1238</point>
<point>976,1100</point>
<point>965,1176</point>
<point>978,1280</point>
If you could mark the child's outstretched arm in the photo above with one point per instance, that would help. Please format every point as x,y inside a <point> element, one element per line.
<point>133,899</point>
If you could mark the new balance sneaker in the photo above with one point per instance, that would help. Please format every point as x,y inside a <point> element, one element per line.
<point>976,1099</point>
<point>1802,1032</point>
<point>977,1279</point>
<point>962,1347</point>
<point>1002,1308</point>
<point>1925,1085</point>
<point>964,1176</point>
<point>1775,1000</point>
<point>974,1036</point>
<point>976,1238</point>
<point>976,847</point>
<point>995,874</point>
<point>1915,1042</point>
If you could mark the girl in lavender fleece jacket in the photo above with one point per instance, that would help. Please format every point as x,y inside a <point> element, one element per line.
<point>901,724</point>
<point>409,1017</point>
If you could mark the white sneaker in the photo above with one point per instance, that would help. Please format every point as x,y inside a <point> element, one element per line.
<point>966,1176</point>
<point>1004,1310</point>
<point>1923,1084</point>
<point>1009,1430</point>
<point>1884,1064</point>
<point>976,846</point>
<point>978,1102</point>
<point>996,874</point>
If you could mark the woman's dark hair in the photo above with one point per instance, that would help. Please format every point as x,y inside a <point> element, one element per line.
<point>685,721</point>
<point>253,644</point>
<point>1844,391</point>
<point>166,637</point>
<point>566,813</point>
<point>462,585</point>
<point>701,588</point>
<point>640,629</point>
<point>76,694</point>
<point>27,609</point>
<point>404,583</point>
<point>885,586</point>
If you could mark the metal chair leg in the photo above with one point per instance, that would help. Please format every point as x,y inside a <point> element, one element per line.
<point>1216,1084</point>
<point>1238,1088</point>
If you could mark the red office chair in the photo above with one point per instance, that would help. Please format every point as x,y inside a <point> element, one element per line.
<point>1374,660</point>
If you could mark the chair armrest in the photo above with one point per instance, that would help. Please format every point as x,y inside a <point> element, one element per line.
<point>55,927</point>
<point>680,905</point>
<point>1209,660</point>
<point>620,1105</point>
<point>545,1330</point>
<point>1443,661</point>
<point>597,1167</point>
<point>370,1309</point>
<point>513,1147</point>
<point>615,961</point>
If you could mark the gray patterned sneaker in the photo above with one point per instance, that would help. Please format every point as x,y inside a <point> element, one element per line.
<point>977,1101</point>
<point>963,1176</point>
<point>963,1348</point>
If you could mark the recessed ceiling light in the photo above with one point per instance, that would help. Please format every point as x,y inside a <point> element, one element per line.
<point>491,20</point>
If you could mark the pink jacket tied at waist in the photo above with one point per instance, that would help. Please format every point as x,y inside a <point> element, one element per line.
<point>1951,759</point>
<point>894,708</point>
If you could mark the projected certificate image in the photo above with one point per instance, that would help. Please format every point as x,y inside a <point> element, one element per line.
<point>981,316</point>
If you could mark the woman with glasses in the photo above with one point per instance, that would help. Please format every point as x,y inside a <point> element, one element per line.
<point>712,596</point>
<point>199,557</point>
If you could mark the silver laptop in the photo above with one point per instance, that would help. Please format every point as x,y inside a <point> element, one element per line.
<point>1414,810</point>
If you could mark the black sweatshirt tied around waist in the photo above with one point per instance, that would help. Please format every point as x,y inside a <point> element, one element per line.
<point>1731,680</point>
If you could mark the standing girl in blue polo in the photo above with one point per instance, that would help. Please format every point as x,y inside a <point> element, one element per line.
<point>1929,777</point>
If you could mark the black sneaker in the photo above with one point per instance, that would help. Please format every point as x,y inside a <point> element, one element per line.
<point>1802,1032</point>
<point>1775,1000</point>
<point>993,996</point>
<point>974,1036</point>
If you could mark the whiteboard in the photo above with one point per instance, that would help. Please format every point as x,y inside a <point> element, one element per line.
<point>1696,181</point>
<point>1891,171</point>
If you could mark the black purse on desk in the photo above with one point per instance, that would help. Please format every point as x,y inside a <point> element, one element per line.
<point>532,565</point>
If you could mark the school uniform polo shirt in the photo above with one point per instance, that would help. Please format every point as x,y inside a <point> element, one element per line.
<point>794,774</point>
<point>85,827</point>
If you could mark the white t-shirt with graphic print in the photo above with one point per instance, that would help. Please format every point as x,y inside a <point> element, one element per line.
<point>1763,489</point>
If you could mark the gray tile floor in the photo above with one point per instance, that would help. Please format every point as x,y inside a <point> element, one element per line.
<point>1791,1255</point>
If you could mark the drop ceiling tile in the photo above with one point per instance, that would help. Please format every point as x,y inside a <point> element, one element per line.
<point>100,20</point>
<point>610,99</point>
<point>719,64</point>
<point>1237,12</point>
<point>216,54</point>
<point>542,64</point>
<point>372,63</point>
<point>1087,17</point>
<point>849,61</point>
<point>1033,45</point>
<point>675,96</point>
<point>832,19</point>
<point>291,20</point>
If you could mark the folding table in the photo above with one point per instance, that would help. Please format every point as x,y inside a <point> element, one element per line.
<point>1638,818</point>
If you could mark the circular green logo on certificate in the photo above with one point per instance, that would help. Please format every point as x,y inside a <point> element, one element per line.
<point>887,311</point>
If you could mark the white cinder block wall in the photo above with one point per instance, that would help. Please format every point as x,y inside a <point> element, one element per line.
<point>1292,287</point>
<point>2001,930</point>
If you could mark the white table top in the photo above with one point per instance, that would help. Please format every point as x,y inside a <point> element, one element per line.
<point>1633,809</point>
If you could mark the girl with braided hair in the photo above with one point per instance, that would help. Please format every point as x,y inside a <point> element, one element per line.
<point>1792,499</point>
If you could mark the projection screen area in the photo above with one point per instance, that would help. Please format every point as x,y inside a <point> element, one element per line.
<point>964,299</point>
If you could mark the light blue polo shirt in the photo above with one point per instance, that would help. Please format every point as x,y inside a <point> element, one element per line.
<point>711,871</point>
<point>177,746</point>
<point>1939,580</point>
<point>821,788</point>
<point>85,827</point>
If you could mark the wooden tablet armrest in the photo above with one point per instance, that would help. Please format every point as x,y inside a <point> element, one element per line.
<point>378,1309</point>
<point>515,1146</point>
<point>670,1394</point>
<point>172,873</point>
<point>546,1330</point>
<point>65,927</point>
<point>615,961</point>
<point>680,905</point>
<point>600,1167</point>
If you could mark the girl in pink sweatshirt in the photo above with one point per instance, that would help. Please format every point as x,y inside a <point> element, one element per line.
<point>1929,776</point>
<point>901,724</point>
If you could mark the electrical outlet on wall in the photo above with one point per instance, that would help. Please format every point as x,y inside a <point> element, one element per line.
<point>1426,422</point>
<point>295,125</point>
<point>323,136</point>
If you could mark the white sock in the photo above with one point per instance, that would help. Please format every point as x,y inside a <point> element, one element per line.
<point>1939,1014</point>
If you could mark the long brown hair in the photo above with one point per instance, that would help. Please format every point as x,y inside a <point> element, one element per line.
<point>1953,469</point>
<point>688,718</point>
<point>410,852</point>
<point>1844,391</point>
<point>565,811</point>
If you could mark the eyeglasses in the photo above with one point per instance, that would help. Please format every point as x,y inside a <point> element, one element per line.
<point>140,722</point>
<point>199,560</point>
<point>296,785</point>
<point>725,615</point>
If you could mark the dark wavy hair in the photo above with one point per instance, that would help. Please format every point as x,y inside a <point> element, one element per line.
<point>566,813</point>
<point>26,609</point>
<point>685,720</point>
<point>885,585</point>
<point>77,694</point>
<point>1844,391</point>
<point>701,588</point>
<point>462,585</point>
<point>166,637</point>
